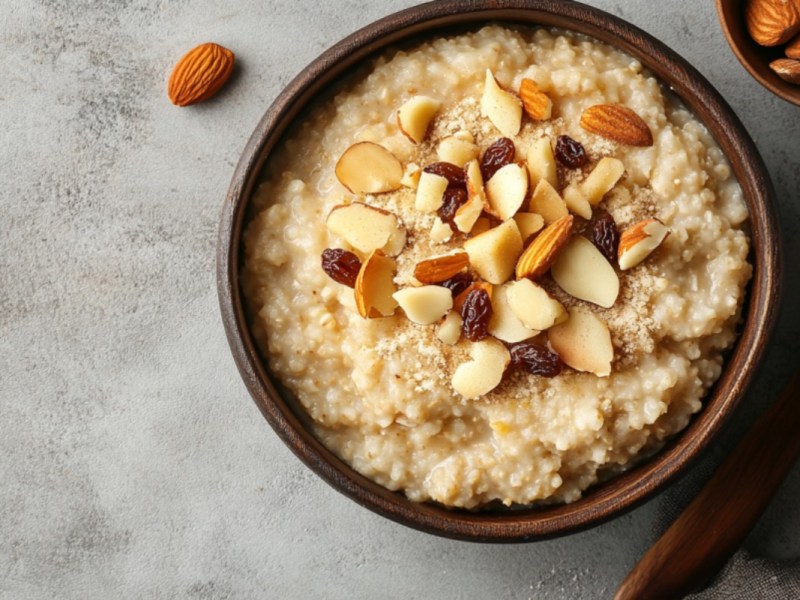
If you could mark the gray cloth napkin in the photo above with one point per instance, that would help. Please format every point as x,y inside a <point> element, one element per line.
<point>748,578</point>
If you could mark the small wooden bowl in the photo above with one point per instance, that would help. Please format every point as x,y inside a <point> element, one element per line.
<point>754,57</point>
<point>603,501</point>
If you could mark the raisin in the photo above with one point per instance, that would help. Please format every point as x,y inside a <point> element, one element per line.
<point>457,283</point>
<point>341,266</point>
<point>606,237</point>
<point>497,156</point>
<point>455,175</point>
<point>535,359</point>
<point>476,314</point>
<point>453,199</point>
<point>570,153</point>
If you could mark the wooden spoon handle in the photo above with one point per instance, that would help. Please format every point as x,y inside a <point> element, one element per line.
<point>714,525</point>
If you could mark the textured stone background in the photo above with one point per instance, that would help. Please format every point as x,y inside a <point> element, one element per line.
<point>133,463</point>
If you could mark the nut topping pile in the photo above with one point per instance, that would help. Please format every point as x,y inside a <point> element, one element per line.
<point>512,232</point>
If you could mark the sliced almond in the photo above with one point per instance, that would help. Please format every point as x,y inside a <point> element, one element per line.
<point>528,224</point>
<point>411,175</point>
<point>493,253</point>
<point>533,305</point>
<point>374,287</point>
<point>502,108</point>
<point>536,103</point>
<point>415,116</point>
<point>617,122</point>
<point>468,213</point>
<point>426,304</point>
<point>449,331</point>
<point>542,163</point>
<point>583,342</point>
<point>602,179</point>
<point>458,301</point>
<point>543,250</point>
<point>504,324</point>
<point>638,241</point>
<point>430,192</point>
<point>576,202</point>
<point>787,69</point>
<point>440,268</point>
<point>367,228</point>
<point>484,372</point>
<point>545,201</point>
<point>457,151</point>
<point>584,273</point>
<point>440,231</point>
<point>507,189</point>
<point>367,168</point>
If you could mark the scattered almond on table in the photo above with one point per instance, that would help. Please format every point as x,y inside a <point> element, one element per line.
<point>200,74</point>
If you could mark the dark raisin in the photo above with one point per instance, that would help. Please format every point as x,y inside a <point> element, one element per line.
<point>341,266</point>
<point>455,175</point>
<point>606,237</point>
<point>476,314</point>
<point>497,156</point>
<point>570,153</point>
<point>453,199</point>
<point>535,359</point>
<point>457,283</point>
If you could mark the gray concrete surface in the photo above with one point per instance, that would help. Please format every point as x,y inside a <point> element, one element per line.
<point>132,462</point>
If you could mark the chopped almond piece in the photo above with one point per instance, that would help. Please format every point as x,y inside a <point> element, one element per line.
<point>449,331</point>
<point>411,176</point>
<point>367,228</point>
<point>375,286</point>
<point>440,231</point>
<point>367,168</point>
<point>424,305</point>
<point>528,224</point>
<point>414,117</point>
<point>602,179</point>
<point>533,305</point>
<point>542,163</point>
<point>502,108</point>
<point>583,342</point>
<point>440,268</point>
<point>457,151</point>
<point>494,253</point>
<point>584,273</point>
<point>542,251</point>
<point>468,213</point>
<point>430,192</point>
<point>638,242</point>
<point>536,103</point>
<point>506,190</point>
<point>504,324</point>
<point>576,202</point>
<point>545,201</point>
<point>484,372</point>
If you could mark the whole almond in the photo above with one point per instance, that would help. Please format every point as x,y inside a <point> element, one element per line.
<point>542,251</point>
<point>787,69</point>
<point>772,22</point>
<point>793,49</point>
<point>536,103</point>
<point>200,74</point>
<point>617,122</point>
<point>440,268</point>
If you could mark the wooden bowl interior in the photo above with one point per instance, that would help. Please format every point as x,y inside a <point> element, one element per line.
<point>604,500</point>
<point>754,57</point>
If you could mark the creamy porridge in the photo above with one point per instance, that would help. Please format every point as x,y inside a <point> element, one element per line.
<point>605,234</point>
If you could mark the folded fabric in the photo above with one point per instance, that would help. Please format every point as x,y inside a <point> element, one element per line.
<point>748,578</point>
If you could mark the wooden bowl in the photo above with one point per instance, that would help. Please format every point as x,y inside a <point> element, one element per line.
<point>754,57</point>
<point>602,501</point>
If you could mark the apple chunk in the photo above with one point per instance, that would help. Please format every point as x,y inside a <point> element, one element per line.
<point>493,254</point>
<point>414,117</point>
<point>502,108</point>
<point>506,190</point>
<point>484,372</point>
<point>367,228</point>
<point>368,168</point>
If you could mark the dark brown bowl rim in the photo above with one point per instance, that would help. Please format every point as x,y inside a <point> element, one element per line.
<point>742,45</point>
<point>604,500</point>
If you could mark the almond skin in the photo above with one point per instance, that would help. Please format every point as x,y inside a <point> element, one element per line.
<point>772,22</point>
<point>617,122</point>
<point>542,251</point>
<point>793,49</point>
<point>787,69</point>
<point>535,102</point>
<point>200,74</point>
<point>440,268</point>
